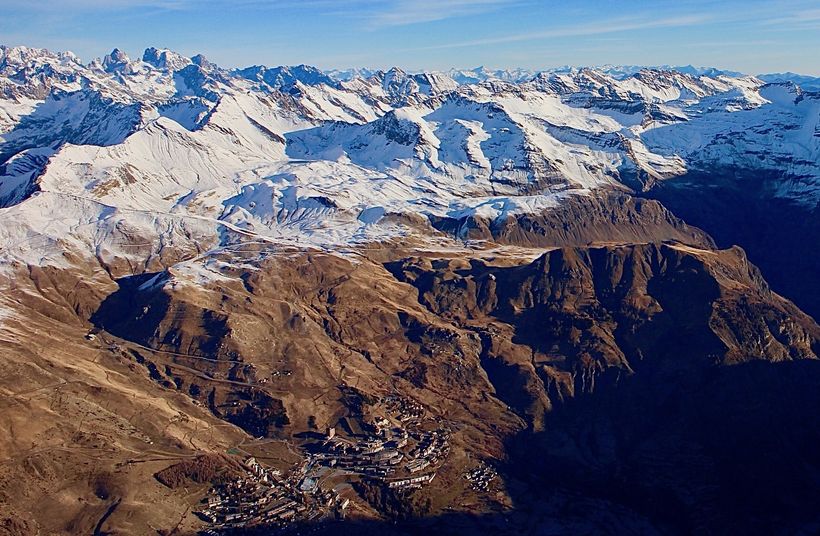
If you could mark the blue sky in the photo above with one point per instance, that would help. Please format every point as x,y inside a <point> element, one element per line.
<point>749,36</point>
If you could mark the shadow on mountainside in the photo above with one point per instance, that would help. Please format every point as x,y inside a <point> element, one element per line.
<point>678,445</point>
<point>726,450</point>
<point>779,235</point>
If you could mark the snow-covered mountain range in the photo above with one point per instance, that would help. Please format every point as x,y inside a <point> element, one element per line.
<point>170,150</point>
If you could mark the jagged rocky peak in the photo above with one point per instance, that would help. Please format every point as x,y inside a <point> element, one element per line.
<point>596,81</point>
<point>559,84</point>
<point>435,83</point>
<point>21,55</point>
<point>115,61</point>
<point>305,74</point>
<point>285,75</point>
<point>345,75</point>
<point>483,74</point>
<point>33,72</point>
<point>254,72</point>
<point>403,88</point>
<point>202,62</point>
<point>165,59</point>
<point>398,83</point>
<point>400,126</point>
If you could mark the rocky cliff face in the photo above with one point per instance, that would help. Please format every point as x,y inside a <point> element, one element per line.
<point>542,331</point>
<point>580,318</point>
<point>572,321</point>
<point>614,217</point>
<point>740,209</point>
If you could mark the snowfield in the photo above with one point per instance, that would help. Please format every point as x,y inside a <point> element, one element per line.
<point>127,160</point>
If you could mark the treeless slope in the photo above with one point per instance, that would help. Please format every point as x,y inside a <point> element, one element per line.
<point>81,429</point>
<point>280,342</point>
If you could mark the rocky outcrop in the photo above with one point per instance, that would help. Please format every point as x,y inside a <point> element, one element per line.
<point>609,217</point>
<point>580,319</point>
<point>573,321</point>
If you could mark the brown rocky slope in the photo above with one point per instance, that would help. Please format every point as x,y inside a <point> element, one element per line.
<point>510,350</point>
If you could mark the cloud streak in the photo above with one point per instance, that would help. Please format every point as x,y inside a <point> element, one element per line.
<point>808,17</point>
<point>375,14</point>
<point>68,6</point>
<point>595,28</point>
<point>405,12</point>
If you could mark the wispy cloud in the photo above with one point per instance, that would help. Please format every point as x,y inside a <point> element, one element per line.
<point>374,13</point>
<point>403,12</point>
<point>595,28</point>
<point>717,45</point>
<point>807,17</point>
<point>95,5</point>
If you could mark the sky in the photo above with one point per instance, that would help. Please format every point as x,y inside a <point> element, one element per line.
<point>748,36</point>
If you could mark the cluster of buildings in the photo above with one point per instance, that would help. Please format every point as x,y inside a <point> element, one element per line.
<point>392,447</point>
<point>431,446</point>
<point>481,477</point>
<point>413,482</point>
<point>404,410</point>
<point>397,447</point>
<point>430,450</point>
<point>376,456</point>
<point>260,498</point>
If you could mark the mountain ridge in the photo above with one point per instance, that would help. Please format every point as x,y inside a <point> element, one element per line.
<point>583,300</point>
<point>413,145</point>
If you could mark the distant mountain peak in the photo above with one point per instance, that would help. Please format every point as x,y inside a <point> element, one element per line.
<point>165,59</point>
<point>202,61</point>
<point>115,61</point>
<point>285,75</point>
